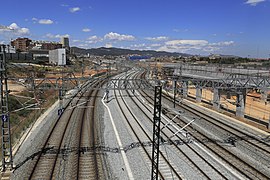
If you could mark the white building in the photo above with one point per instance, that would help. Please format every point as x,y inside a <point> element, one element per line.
<point>57,56</point>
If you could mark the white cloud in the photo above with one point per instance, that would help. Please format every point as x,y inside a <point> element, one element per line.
<point>23,31</point>
<point>186,42</point>
<point>119,37</point>
<point>14,26</point>
<point>57,36</point>
<point>76,40</point>
<point>42,21</point>
<point>155,45</point>
<point>108,45</point>
<point>86,30</point>
<point>224,43</point>
<point>144,46</point>
<point>74,9</point>
<point>45,21</point>
<point>180,30</point>
<point>254,2</point>
<point>5,28</point>
<point>138,45</point>
<point>160,38</point>
<point>191,46</point>
<point>87,42</point>
<point>93,40</point>
<point>64,35</point>
<point>85,46</point>
<point>14,29</point>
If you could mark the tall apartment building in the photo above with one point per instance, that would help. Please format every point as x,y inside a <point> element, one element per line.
<point>65,42</point>
<point>21,44</point>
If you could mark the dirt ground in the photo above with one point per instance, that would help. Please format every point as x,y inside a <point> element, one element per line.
<point>15,88</point>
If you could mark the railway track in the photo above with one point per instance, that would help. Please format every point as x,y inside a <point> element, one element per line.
<point>138,134</point>
<point>225,153</point>
<point>199,164</point>
<point>62,155</point>
<point>69,151</point>
<point>88,162</point>
<point>138,129</point>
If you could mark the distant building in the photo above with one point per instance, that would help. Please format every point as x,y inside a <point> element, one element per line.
<point>65,42</point>
<point>57,56</point>
<point>21,44</point>
<point>39,54</point>
<point>45,45</point>
<point>51,46</point>
<point>8,49</point>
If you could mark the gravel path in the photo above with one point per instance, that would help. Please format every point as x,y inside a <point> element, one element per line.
<point>139,167</point>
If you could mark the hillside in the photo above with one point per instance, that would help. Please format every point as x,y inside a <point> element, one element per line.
<point>118,51</point>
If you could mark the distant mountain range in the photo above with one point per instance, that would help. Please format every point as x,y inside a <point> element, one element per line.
<point>118,52</point>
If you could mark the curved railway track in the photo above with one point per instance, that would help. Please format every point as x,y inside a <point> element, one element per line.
<point>246,169</point>
<point>172,167</point>
<point>138,136</point>
<point>192,161</point>
<point>69,151</point>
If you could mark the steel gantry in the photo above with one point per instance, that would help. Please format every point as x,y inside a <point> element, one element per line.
<point>7,160</point>
<point>232,83</point>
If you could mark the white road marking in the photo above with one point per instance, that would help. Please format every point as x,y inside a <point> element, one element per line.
<point>124,156</point>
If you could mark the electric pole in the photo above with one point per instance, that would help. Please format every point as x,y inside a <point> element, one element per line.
<point>156,132</point>
<point>7,159</point>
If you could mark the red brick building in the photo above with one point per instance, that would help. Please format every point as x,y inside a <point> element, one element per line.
<point>21,44</point>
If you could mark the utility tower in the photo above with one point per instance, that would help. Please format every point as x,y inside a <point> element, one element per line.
<point>7,161</point>
<point>156,132</point>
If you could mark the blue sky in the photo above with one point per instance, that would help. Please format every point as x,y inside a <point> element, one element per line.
<point>237,27</point>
